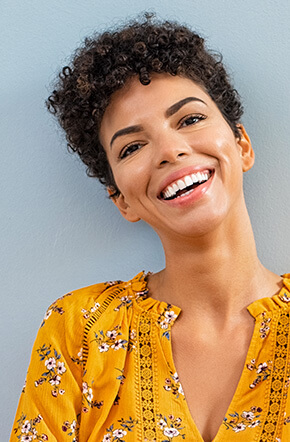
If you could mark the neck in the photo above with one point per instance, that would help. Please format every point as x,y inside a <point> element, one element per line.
<point>217,274</point>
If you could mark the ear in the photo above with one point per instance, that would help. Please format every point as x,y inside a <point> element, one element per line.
<point>123,207</point>
<point>246,151</point>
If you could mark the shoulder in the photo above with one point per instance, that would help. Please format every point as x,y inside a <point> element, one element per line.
<point>96,313</point>
<point>81,304</point>
<point>62,328</point>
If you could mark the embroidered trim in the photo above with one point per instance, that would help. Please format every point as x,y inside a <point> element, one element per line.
<point>280,376</point>
<point>95,317</point>
<point>144,384</point>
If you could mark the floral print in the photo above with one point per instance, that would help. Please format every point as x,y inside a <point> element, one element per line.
<point>87,313</point>
<point>173,384</point>
<point>247,419</point>
<point>72,428</point>
<point>112,283</point>
<point>54,369</point>
<point>119,434</point>
<point>167,317</point>
<point>120,377</point>
<point>79,358</point>
<point>263,371</point>
<point>286,419</point>
<point>95,363</point>
<point>109,340</point>
<point>54,308</point>
<point>27,429</point>
<point>170,427</point>
<point>132,340</point>
<point>265,327</point>
<point>127,300</point>
<point>284,297</point>
<point>88,399</point>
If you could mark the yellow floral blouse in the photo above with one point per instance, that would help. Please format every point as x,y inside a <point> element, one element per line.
<point>102,370</point>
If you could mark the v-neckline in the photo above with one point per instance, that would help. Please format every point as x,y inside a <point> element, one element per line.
<point>255,309</point>
<point>219,436</point>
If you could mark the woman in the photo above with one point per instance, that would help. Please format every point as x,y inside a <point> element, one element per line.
<point>153,115</point>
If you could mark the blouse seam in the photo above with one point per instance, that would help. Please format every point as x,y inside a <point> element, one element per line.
<point>286,376</point>
<point>141,310</point>
<point>155,369</point>
<point>269,380</point>
<point>103,307</point>
<point>284,397</point>
<point>137,384</point>
<point>146,393</point>
<point>264,433</point>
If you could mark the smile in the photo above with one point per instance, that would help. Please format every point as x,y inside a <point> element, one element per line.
<point>184,186</point>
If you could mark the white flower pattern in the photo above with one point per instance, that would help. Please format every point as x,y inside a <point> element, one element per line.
<point>112,340</point>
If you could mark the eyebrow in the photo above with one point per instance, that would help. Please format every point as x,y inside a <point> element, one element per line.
<point>126,131</point>
<point>176,106</point>
<point>169,112</point>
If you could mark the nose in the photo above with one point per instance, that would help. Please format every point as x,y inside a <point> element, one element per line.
<point>170,148</point>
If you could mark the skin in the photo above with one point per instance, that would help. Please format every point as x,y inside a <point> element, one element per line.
<point>212,269</point>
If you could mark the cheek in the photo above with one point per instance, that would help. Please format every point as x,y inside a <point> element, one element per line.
<point>226,147</point>
<point>222,145</point>
<point>131,178</point>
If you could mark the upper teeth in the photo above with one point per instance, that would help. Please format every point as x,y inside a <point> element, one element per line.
<point>186,181</point>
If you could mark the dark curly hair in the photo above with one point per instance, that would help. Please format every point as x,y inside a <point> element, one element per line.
<point>104,64</point>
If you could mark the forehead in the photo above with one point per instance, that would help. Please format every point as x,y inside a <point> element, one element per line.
<point>136,101</point>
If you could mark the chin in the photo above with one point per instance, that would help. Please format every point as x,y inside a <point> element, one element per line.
<point>191,229</point>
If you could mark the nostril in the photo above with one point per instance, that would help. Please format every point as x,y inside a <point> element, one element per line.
<point>171,155</point>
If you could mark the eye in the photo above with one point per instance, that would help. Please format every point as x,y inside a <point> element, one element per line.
<point>129,150</point>
<point>189,120</point>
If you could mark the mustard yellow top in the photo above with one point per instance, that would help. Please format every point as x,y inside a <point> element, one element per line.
<point>102,370</point>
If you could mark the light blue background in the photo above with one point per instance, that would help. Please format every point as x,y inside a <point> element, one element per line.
<point>58,229</point>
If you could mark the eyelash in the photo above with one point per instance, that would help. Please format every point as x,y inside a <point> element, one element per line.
<point>126,151</point>
<point>199,117</point>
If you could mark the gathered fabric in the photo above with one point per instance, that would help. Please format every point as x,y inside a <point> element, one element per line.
<point>102,370</point>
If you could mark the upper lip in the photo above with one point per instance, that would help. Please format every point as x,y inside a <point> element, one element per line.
<point>179,174</point>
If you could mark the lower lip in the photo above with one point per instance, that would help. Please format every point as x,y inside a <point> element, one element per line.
<point>195,195</point>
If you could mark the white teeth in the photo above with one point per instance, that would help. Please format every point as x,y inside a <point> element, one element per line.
<point>186,193</point>
<point>181,184</point>
<point>170,191</point>
<point>199,176</point>
<point>187,181</point>
<point>194,178</point>
<point>175,188</point>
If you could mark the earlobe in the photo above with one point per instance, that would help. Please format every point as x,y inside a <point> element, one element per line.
<point>124,208</point>
<point>246,150</point>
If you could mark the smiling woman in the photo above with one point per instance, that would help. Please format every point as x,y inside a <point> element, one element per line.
<point>153,115</point>
<point>181,136</point>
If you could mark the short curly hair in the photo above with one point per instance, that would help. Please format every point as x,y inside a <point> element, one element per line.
<point>106,61</point>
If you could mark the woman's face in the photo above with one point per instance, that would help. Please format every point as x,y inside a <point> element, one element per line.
<point>174,158</point>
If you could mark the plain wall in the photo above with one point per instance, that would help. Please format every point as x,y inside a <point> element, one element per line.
<point>59,231</point>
